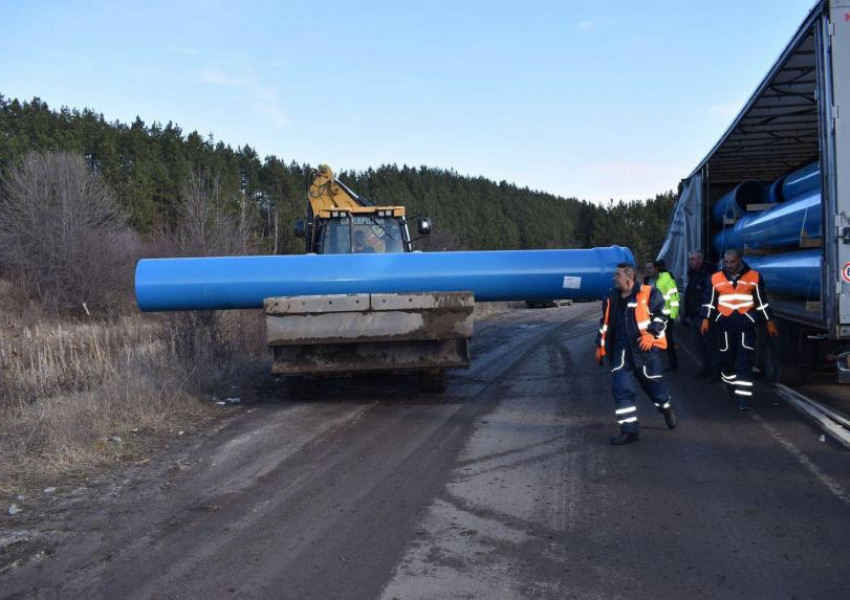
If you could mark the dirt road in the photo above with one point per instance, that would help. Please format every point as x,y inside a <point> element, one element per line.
<point>507,489</point>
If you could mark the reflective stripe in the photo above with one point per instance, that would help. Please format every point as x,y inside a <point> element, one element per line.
<point>632,305</point>
<point>743,393</point>
<point>762,305</point>
<point>735,305</point>
<point>643,324</point>
<point>743,336</point>
<point>648,376</point>
<point>629,420</point>
<point>665,311</point>
<point>666,405</point>
<point>622,362</point>
<point>736,296</point>
<point>674,303</point>
<point>622,411</point>
<point>725,337</point>
<point>742,383</point>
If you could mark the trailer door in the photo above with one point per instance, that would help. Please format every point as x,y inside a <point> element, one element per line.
<point>834,98</point>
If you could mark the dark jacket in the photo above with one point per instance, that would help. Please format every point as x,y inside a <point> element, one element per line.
<point>657,324</point>
<point>695,291</point>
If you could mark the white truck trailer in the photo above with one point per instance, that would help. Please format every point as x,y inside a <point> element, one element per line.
<point>798,115</point>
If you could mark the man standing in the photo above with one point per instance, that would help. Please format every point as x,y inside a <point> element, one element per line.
<point>699,280</point>
<point>735,302</point>
<point>631,334</point>
<point>660,277</point>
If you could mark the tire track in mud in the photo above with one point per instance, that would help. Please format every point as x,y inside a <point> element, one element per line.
<point>289,493</point>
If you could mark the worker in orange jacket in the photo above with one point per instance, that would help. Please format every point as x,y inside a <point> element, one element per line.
<point>631,335</point>
<point>735,302</point>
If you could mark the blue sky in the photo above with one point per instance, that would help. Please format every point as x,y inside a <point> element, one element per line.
<point>586,99</point>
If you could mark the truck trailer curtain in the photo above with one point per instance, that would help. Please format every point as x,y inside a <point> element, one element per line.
<point>683,234</point>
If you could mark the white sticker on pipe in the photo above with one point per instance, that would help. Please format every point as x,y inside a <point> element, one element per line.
<point>572,283</point>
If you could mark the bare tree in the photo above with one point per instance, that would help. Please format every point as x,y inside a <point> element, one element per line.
<point>63,234</point>
<point>205,227</point>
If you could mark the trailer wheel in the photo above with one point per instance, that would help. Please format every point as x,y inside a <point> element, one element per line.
<point>793,374</point>
<point>303,388</point>
<point>433,382</point>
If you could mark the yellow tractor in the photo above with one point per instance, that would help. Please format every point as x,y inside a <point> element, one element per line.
<point>313,337</point>
<point>340,221</point>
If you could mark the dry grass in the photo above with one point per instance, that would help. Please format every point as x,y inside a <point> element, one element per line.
<point>69,389</point>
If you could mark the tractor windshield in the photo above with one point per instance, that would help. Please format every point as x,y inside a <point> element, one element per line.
<point>366,234</point>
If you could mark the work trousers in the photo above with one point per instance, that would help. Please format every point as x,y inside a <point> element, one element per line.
<point>705,348</point>
<point>672,357</point>
<point>647,371</point>
<point>736,346</point>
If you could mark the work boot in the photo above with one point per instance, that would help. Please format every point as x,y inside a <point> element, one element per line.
<point>670,418</point>
<point>624,438</point>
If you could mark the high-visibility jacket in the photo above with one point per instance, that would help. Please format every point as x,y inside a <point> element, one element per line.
<point>740,296</point>
<point>667,286</point>
<point>644,313</point>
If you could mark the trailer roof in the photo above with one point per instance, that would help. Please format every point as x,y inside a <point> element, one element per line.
<point>777,130</point>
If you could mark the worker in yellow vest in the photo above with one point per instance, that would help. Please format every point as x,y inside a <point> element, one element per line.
<point>631,335</point>
<point>658,275</point>
<point>735,302</point>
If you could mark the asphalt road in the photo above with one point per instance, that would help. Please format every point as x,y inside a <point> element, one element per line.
<point>507,489</point>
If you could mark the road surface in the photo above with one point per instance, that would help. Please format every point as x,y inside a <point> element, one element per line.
<point>506,489</point>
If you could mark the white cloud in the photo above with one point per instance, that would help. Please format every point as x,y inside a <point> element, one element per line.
<point>75,59</point>
<point>216,77</point>
<point>266,99</point>
<point>184,50</point>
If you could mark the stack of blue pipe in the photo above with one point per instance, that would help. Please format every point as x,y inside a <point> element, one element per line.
<point>798,214</point>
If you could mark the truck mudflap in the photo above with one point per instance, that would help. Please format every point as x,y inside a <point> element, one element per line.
<point>361,333</point>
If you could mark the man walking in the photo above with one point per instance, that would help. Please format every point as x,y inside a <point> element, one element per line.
<point>631,334</point>
<point>736,302</point>
<point>699,280</point>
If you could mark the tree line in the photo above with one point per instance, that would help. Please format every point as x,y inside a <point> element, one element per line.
<point>152,169</point>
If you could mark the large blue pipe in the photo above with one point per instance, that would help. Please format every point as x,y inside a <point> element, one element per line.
<point>778,227</point>
<point>734,204</point>
<point>220,283</point>
<point>724,239</point>
<point>792,273</point>
<point>776,196</point>
<point>801,182</point>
